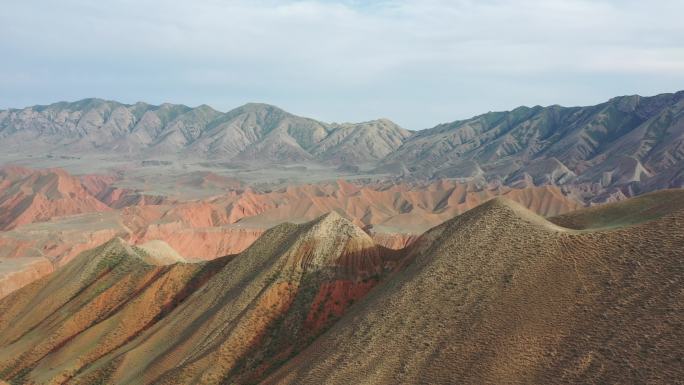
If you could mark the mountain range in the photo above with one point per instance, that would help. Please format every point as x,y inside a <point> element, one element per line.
<point>253,132</point>
<point>625,146</point>
<point>631,142</point>
<point>494,295</point>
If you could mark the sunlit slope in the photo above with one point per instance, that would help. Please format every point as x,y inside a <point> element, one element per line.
<point>56,326</point>
<point>632,211</point>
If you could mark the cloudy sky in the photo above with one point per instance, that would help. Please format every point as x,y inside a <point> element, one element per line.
<point>418,63</point>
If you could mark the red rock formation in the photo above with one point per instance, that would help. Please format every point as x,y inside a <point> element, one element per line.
<point>38,195</point>
<point>333,299</point>
<point>394,214</point>
<point>96,184</point>
<point>119,198</point>
<point>201,243</point>
<point>295,306</point>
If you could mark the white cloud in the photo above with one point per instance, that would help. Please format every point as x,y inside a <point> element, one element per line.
<point>419,62</point>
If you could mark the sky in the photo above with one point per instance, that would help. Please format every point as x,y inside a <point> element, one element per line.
<point>418,63</point>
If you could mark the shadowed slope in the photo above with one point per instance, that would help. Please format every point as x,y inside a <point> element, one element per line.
<point>264,306</point>
<point>498,295</point>
<point>110,316</point>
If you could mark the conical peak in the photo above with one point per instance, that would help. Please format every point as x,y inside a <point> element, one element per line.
<point>497,206</point>
<point>107,256</point>
<point>333,242</point>
<point>502,202</point>
<point>118,241</point>
<point>334,225</point>
<point>335,219</point>
<point>330,216</point>
<point>158,252</point>
<point>258,108</point>
<point>331,219</point>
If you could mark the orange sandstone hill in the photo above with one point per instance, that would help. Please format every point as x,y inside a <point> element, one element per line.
<point>28,196</point>
<point>495,295</point>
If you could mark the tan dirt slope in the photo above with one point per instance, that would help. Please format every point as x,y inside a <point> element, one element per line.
<point>639,209</point>
<point>502,296</point>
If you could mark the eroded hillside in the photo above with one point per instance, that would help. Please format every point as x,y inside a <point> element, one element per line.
<point>497,294</point>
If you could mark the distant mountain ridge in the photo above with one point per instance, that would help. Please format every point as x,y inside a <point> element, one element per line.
<point>253,132</point>
<point>632,142</point>
<point>622,147</point>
